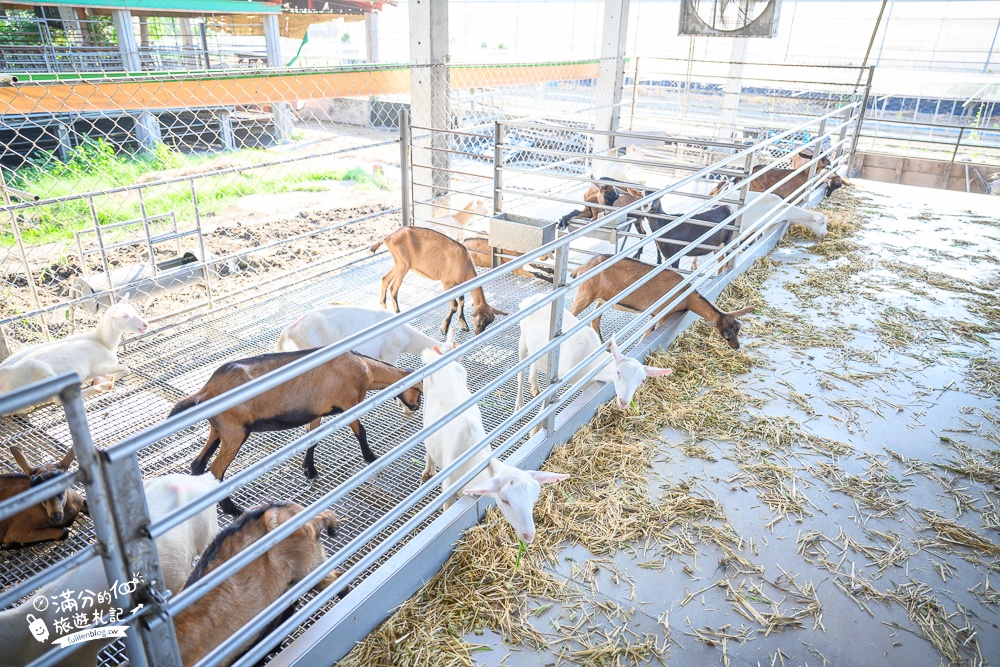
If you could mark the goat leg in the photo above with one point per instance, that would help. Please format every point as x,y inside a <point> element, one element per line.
<point>200,462</point>
<point>461,314</point>
<point>447,320</point>
<point>17,536</point>
<point>384,287</point>
<point>309,463</point>
<point>362,436</point>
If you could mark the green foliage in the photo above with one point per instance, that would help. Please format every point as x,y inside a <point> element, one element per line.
<point>345,38</point>
<point>93,166</point>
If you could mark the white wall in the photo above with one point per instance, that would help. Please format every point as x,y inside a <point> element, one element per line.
<point>955,35</point>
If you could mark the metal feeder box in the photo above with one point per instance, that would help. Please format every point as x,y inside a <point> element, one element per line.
<point>520,234</point>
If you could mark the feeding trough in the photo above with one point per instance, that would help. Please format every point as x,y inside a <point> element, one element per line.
<point>141,281</point>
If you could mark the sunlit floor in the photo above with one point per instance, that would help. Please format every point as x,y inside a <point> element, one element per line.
<point>884,554</point>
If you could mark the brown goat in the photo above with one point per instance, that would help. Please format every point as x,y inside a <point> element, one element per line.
<point>329,389</point>
<point>610,194</point>
<point>436,257</point>
<point>616,278</point>
<point>482,255</point>
<point>49,519</point>
<point>235,601</point>
<point>787,189</point>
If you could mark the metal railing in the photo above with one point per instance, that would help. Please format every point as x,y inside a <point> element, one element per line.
<point>962,145</point>
<point>125,522</point>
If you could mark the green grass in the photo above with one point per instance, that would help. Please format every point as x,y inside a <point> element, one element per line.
<point>94,166</point>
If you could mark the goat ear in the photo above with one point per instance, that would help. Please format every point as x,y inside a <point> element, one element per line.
<point>615,352</point>
<point>742,311</point>
<point>499,312</point>
<point>490,486</point>
<point>652,372</point>
<point>545,477</point>
<point>122,301</point>
<point>438,350</point>
<point>272,518</point>
<point>66,460</point>
<point>21,461</point>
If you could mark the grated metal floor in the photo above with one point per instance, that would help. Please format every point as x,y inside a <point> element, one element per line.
<point>169,365</point>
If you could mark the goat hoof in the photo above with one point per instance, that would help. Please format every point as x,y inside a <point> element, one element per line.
<point>311,473</point>
<point>425,477</point>
<point>65,534</point>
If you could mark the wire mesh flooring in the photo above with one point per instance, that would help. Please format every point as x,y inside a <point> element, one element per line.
<point>171,364</point>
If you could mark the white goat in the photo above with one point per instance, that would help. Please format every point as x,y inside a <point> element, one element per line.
<point>616,171</point>
<point>761,205</point>
<point>626,374</point>
<point>515,491</point>
<point>456,225</point>
<point>177,549</point>
<point>93,355</point>
<point>324,326</point>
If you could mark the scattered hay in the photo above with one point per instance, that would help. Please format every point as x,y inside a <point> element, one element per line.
<point>954,641</point>
<point>986,594</point>
<point>904,271</point>
<point>873,491</point>
<point>955,538</point>
<point>984,376</point>
<point>981,466</point>
<point>895,328</point>
<point>698,450</point>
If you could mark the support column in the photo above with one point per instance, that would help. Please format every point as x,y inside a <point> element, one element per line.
<point>147,125</point>
<point>734,85</point>
<point>62,132</point>
<point>611,77</point>
<point>430,98</point>
<point>282,112</point>
<point>371,36</point>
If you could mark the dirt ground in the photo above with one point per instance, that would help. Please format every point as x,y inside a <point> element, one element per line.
<point>828,495</point>
<point>246,229</point>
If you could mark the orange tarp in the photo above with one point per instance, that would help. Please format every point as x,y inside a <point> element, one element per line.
<point>127,95</point>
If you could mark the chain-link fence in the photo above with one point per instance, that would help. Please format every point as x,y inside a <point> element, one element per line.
<point>119,179</point>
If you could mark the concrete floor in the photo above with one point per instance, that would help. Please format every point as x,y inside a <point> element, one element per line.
<point>916,401</point>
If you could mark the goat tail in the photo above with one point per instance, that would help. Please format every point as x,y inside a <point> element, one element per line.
<point>375,247</point>
<point>185,404</point>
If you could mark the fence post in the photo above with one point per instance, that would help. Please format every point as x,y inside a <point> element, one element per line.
<point>498,137</point>
<point>861,120</point>
<point>816,151</point>
<point>635,88</point>
<point>281,110</point>
<point>24,256</point>
<point>147,125</point>
<point>117,505</point>
<point>954,154</point>
<point>430,97</point>
<point>612,72</point>
<point>207,269</point>
<point>843,135</point>
<point>559,278</point>
<point>405,165</point>
<point>744,192</point>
